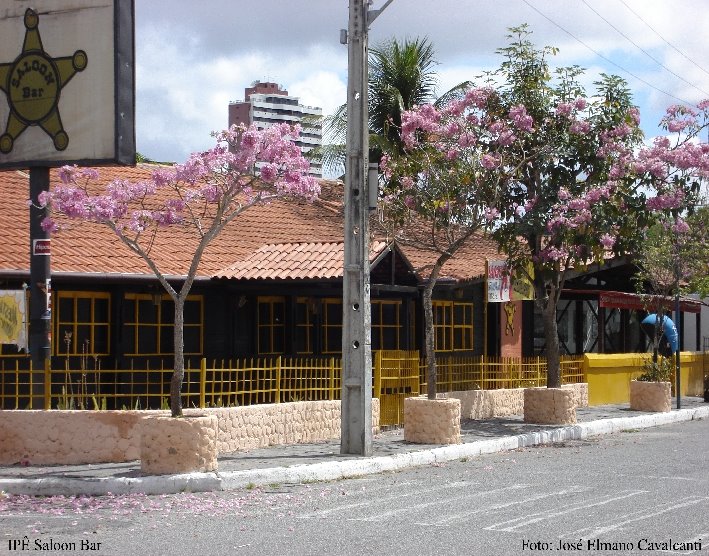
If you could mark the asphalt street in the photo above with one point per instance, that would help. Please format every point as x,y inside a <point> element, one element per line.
<point>639,491</point>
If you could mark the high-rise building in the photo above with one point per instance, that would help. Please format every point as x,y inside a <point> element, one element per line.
<point>266,104</point>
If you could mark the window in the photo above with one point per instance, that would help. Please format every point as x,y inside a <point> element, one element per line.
<point>453,325</point>
<point>386,324</point>
<point>332,325</point>
<point>82,323</point>
<point>304,309</point>
<point>148,324</point>
<point>271,325</point>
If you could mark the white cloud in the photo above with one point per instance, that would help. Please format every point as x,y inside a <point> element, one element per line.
<point>192,60</point>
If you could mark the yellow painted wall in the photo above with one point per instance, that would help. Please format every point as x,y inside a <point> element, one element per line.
<point>609,375</point>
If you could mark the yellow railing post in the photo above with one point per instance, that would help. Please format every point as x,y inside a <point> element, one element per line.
<point>332,379</point>
<point>203,382</point>
<point>278,379</point>
<point>377,374</point>
<point>47,384</point>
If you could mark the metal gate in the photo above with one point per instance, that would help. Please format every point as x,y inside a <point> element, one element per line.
<point>396,376</point>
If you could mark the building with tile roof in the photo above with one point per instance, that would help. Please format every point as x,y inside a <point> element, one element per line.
<point>271,284</point>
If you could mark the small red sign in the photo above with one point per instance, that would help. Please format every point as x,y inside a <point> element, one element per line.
<point>41,246</point>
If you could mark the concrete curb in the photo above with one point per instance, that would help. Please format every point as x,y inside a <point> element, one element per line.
<point>330,471</point>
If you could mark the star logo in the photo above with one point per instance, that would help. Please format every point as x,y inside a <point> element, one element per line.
<point>33,85</point>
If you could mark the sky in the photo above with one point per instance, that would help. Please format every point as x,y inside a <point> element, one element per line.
<point>193,58</point>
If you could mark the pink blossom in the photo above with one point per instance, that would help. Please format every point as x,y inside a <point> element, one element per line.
<point>478,97</point>
<point>579,127</point>
<point>489,161</point>
<point>467,139</point>
<point>580,103</point>
<point>680,226</point>
<point>564,109</point>
<point>521,119</point>
<point>491,214</point>
<point>607,240</point>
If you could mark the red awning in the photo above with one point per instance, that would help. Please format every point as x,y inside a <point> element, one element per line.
<point>623,300</point>
<point>637,302</point>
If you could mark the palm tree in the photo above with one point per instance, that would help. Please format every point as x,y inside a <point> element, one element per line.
<point>401,76</point>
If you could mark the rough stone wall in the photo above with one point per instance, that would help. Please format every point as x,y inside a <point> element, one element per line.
<point>580,393</point>
<point>486,404</point>
<point>650,396</point>
<point>550,406</point>
<point>32,437</point>
<point>75,437</point>
<point>432,421</point>
<point>169,445</point>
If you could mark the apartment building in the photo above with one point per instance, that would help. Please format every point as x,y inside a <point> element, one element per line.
<point>266,104</point>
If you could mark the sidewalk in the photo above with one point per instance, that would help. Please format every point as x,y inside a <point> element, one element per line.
<point>322,461</point>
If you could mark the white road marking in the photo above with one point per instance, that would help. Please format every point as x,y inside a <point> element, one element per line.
<point>387,500</point>
<point>448,519</point>
<point>597,531</point>
<point>530,519</point>
<point>439,502</point>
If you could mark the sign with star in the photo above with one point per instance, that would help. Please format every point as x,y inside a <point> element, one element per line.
<point>67,83</point>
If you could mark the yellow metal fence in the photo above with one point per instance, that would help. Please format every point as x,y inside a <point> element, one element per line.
<point>491,373</point>
<point>227,383</point>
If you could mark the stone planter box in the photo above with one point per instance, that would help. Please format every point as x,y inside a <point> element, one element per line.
<point>170,445</point>
<point>432,421</point>
<point>550,406</point>
<point>650,396</point>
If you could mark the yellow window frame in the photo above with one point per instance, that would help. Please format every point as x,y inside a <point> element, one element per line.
<point>326,325</point>
<point>135,325</point>
<point>445,329</point>
<point>64,345</point>
<point>271,326</point>
<point>307,326</point>
<point>378,306</point>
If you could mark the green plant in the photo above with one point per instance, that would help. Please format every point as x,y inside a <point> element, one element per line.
<point>99,403</point>
<point>658,371</point>
<point>66,401</point>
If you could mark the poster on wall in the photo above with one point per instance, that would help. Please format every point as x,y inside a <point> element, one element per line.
<point>67,83</point>
<point>502,286</point>
<point>13,318</point>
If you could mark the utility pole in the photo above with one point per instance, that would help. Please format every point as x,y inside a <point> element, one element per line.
<point>40,288</point>
<point>356,416</point>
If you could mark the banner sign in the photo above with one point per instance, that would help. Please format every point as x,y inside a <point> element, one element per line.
<point>498,282</point>
<point>503,287</point>
<point>67,83</point>
<point>13,318</point>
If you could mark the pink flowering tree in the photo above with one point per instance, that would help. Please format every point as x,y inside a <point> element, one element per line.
<point>674,170</point>
<point>537,162</point>
<point>443,190</point>
<point>200,197</point>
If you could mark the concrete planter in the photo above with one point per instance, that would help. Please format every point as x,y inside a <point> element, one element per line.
<point>550,406</point>
<point>170,445</point>
<point>650,396</point>
<point>432,421</point>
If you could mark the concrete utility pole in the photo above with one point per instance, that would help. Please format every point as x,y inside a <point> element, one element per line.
<point>356,417</point>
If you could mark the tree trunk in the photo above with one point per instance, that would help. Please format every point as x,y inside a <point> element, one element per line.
<point>429,332</point>
<point>178,374</point>
<point>429,340</point>
<point>551,336</point>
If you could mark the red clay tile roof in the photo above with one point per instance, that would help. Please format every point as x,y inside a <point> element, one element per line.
<point>294,261</point>
<point>92,248</point>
